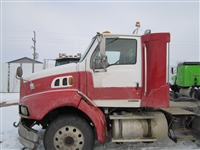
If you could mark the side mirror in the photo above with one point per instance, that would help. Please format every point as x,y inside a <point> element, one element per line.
<point>100,63</point>
<point>104,61</point>
<point>173,70</point>
<point>19,72</point>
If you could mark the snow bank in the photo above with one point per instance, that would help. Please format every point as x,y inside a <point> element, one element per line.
<point>9,134</point>
<point>9,97</point>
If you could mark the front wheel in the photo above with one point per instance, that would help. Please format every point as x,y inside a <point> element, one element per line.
<point>69,133</point>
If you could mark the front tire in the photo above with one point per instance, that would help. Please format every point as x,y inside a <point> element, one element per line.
<point>69,132</point>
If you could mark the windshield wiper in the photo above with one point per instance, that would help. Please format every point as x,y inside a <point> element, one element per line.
<point>112,41</point>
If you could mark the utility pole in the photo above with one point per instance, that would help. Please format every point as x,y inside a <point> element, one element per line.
<point>34,51</point>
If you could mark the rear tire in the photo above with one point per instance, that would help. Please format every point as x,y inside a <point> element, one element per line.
<point>177,95</point>
<point>172,95</point>
<point>195,94</point>
<point>191,91</point>
<point>198,91</point>
<point>69,132</point>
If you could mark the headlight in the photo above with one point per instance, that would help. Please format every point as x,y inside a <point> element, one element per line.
<point>23,110</point>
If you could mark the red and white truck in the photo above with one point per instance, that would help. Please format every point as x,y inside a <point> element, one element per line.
<point>120,85</point>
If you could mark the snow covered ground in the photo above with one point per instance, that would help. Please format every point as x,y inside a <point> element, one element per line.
<point>9,135</point>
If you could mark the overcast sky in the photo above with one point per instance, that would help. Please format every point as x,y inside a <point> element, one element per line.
<point>68,27</point>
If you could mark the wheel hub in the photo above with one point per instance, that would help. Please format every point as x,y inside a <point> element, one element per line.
<point>68,138</point>
<point>68,141</point>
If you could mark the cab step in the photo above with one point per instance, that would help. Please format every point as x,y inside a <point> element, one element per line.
<point>181,135</point>
<point>146,139</point>
<point>186,137</point>
<point>183,130</point>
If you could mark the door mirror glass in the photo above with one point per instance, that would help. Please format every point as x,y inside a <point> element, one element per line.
<point>100,62</point>
<point>19,72</point>
<point>173,70</point>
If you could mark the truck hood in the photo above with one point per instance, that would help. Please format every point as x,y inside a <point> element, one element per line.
<point>72,67</point>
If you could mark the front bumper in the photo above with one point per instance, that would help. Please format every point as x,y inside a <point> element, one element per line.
<point>27,136</point>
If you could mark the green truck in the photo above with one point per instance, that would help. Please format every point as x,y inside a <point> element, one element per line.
<point>186,78</point>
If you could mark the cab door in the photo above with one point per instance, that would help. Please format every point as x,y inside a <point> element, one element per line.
<point>114,72</point>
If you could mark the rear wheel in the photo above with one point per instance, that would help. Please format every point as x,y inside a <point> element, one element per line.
<point>195,94</point>
<point>191,91</point>
<point>69,132</point>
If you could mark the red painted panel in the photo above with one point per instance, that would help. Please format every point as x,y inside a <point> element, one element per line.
<point>44,84</point>
<point>40,104</point>
<point>97,118</point>
<point>43,99</point>
<point>157,89</point>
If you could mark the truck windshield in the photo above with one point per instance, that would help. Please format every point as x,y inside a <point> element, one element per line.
<point>88,49</point>
<point>66,61</point>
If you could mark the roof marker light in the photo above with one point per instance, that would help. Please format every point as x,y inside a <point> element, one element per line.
<point>137,24</point>
<point>106,31</point>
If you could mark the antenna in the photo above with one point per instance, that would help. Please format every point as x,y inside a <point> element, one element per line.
<point>34,51</point>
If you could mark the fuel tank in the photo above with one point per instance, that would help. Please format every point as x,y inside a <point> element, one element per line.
<point>140,127</point>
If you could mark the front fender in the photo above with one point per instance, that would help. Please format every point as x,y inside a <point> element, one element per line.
<point>42,103</point>
<point>97,117</point>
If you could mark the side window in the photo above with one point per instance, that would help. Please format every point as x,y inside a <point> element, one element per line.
<point>118,51</point>
<point>121,51</point>
<point>113,57</point>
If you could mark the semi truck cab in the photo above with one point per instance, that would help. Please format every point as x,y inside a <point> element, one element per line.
<point>118,79</point>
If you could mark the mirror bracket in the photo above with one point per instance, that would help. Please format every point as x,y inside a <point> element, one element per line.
<point>102,61</point>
